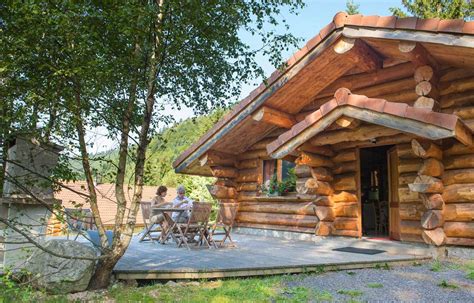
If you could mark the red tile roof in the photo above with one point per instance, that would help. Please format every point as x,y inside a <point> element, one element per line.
<point>340,20</point>
<point>106,198</point>
<point>344,98</point>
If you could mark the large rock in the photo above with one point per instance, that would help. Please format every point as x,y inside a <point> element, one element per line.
<point>59,275</point>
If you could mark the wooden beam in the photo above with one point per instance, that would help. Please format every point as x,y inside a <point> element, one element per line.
<point>359,81</point>
<point>417,54</point>
<point>347,122</point>
<point>275,117</point>
<point>215,158</point>
<point>363,55</point>
<point>363,133</point>
<point>384,125</point>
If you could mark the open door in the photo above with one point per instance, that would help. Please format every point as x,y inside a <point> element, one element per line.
<point>394,214</point>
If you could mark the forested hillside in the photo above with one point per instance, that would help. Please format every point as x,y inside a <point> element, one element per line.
<point>162,151</point>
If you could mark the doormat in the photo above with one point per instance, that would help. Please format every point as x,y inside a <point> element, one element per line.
<point>355,250</point>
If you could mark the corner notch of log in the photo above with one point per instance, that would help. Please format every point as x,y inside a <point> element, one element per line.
<point>274,117</point>
<point>417,54</point>
<point>347,122</point>
<point>215,158</point>
<point>361,53</point>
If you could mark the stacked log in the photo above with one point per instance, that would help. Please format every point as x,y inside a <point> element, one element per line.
<point>222,166</point>
<point>297,215</point>
<point>249,166</point>
<point>426,88</point>
<point>411,207</point>
<point>458,195</point>
<point>314,178</point>
<point>457,97</point>
<point>430,187</point>
<point>346,207</point>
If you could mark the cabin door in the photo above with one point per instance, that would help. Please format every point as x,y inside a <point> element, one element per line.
<point>375,190</point>
<point>394,210</point>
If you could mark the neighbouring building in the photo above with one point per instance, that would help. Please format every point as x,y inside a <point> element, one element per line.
<point>376,116</point>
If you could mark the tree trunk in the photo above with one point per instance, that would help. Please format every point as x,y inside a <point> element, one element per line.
<point>104,268</point>
<point>101,277</point>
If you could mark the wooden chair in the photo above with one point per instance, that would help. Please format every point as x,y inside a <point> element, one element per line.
<point>196,225</point>
<point>224,222</point>
<point>149,227</point>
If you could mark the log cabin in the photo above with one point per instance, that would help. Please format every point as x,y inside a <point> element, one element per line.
<point>376,116</point>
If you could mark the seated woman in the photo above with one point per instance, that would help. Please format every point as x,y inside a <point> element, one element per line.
<point>159,201</point>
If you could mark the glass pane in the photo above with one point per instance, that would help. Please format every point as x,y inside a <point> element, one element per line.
<point>285,167</point>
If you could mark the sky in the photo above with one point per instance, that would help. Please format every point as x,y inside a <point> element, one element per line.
<point>310,20</point>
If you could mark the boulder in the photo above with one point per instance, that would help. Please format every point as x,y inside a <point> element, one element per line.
<point>59,275</point>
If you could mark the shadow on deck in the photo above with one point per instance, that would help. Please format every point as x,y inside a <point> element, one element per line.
<point>258,256</point>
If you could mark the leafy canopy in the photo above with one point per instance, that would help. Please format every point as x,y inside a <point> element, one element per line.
<point>352,8</point>
<point>445,9</point>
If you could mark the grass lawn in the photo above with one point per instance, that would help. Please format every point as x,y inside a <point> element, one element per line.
<point>232,290</point>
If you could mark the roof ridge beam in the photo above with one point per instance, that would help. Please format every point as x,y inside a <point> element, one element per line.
<point>275,117</point>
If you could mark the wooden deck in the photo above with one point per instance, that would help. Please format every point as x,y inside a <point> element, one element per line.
<point>256,256</point>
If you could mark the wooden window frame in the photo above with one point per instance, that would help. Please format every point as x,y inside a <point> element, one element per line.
<point>279,169</point>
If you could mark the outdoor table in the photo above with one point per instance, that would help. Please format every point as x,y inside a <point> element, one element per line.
<point>169,220</point>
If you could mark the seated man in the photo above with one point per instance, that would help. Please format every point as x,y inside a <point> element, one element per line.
<point>181,201</point>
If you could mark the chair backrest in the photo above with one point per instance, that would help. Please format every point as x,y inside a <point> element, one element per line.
<point>146,210</point>
<point>200,212</point>
<point>79,219</point>
<point>227,213</point>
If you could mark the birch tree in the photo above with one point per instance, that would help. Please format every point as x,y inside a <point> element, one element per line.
<point>116,65</point>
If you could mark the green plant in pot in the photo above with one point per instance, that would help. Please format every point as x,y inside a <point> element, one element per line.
<point>273,187</point>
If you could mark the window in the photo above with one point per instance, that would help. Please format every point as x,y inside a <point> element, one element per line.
<point>280,168</point>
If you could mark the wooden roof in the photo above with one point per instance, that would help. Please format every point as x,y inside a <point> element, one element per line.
<point>376,40</point>
<point>417,121</point>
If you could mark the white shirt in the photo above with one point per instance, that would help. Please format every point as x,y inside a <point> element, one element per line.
<point>176,201</point>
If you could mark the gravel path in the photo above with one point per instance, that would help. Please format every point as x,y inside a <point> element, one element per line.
<point>410,284</point>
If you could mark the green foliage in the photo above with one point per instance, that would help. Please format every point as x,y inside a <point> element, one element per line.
<point>352,8</point>
<point>281,187</point>
<point>11,291</point>
<point>446,284</point>
<point>384,266</point>
<point>350,292</point>
<point>232,290</point>
<point>69,67</point>
<point>165,147</point>
<point>375,285</point>
<point>323,296</point>
<point>469,269</point>
<point>436,266</point>
<point>445,9</point>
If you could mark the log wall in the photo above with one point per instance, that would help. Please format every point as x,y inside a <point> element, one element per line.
<point>346,206</point>
<point>458,194</point>
<point>457,97</point>
<point>411,207</point>
<point>259,211</point>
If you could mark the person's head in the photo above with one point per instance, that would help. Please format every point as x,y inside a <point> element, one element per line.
<point>181,191</point>
<point>161,191</point>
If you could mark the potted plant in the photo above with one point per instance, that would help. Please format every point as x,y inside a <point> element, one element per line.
<point>273,187</point>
